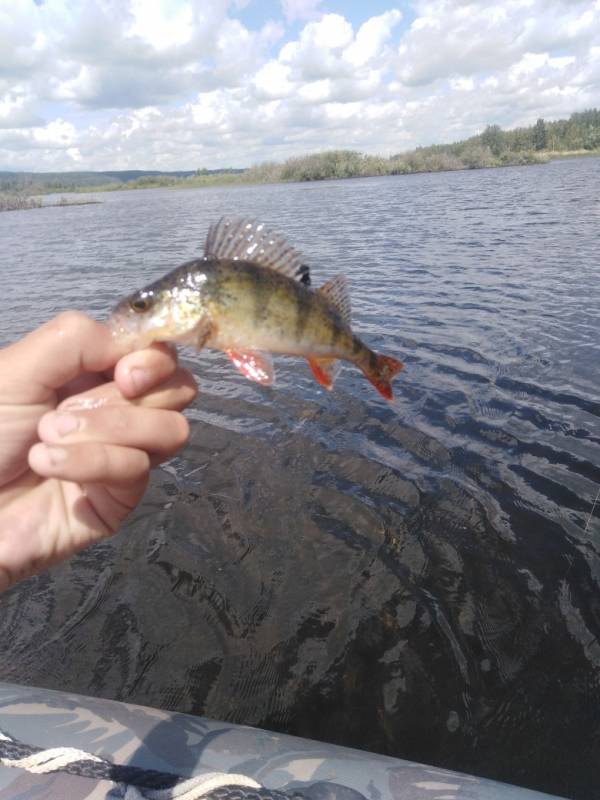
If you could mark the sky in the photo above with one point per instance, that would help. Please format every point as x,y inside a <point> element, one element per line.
<point>184,84</point>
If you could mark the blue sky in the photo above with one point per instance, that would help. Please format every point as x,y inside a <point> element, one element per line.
<point>255,14</point>
<point>181,84</point>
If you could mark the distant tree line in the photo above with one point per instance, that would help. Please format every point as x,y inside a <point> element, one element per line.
<point>352,164</point>
<point>493,147</point>
<point>580,132</point>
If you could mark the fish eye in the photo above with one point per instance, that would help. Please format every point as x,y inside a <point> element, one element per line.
<point>140,304</point>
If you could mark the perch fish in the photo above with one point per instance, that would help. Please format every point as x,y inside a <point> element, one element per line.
<point>249,296</point>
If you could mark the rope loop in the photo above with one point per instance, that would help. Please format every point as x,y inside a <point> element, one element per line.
<point>134,783</point>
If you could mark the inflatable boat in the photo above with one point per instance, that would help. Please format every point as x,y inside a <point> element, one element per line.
<point>61,745</point>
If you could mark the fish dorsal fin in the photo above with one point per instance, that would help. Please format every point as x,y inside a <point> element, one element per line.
<point>336,293</point>
<point>242,239</point>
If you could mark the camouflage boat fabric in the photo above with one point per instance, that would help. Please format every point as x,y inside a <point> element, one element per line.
<point>191,746</point>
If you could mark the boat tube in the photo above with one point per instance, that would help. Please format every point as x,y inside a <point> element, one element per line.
<point>61,745</point>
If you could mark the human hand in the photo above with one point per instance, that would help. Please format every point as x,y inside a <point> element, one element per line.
<point>77,440</point>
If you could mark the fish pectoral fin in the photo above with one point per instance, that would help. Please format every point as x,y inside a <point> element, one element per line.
<point>253,365</point>
<point>242,239</point>
<point>325,370</point>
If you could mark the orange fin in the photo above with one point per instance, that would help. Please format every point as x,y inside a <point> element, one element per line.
<point>336,292</point>
<point>325,370</point>
<point>253,365</point>
<point>381,377</point>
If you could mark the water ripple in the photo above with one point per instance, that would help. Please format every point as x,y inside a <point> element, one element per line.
<point>419,578</point>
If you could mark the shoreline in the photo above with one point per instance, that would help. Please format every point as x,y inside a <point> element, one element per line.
<point>243,179</point>
<point>256,176</point>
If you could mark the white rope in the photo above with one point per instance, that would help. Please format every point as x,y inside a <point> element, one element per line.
<point>59,757</point>
<point>193,788</point>
<point>49,760</point>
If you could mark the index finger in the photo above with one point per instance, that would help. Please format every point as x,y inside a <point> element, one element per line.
<point>59,351</point>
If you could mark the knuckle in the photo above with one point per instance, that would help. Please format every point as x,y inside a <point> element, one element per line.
<point>70,321</point>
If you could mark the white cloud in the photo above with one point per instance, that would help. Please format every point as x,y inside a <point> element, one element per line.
<point>371,38</point>
<point>22,43</point>
<point>56,134</point>
<point>317,53</point>
<point>332,32</point>
<point>462,84</point>
<point>450,38</point>
<point>273,80</point>
<point>162,24</point>
<point>180,84</point>
<point>317,91</point>
<point>17,109</point>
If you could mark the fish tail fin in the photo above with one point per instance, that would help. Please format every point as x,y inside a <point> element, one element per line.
<point>383,372</point>
<point>325,370</point>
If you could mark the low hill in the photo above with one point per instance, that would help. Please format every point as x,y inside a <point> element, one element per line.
<point>42,182</point>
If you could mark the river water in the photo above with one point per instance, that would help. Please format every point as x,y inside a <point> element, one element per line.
<point>419,578</point>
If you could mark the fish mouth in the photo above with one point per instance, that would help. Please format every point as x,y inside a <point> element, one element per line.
<point>122,327</point>
<point>126,328</point>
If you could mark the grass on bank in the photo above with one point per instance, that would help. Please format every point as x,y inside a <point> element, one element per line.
<point>19,202</point>
<point>338,164</point>
<point>328,165</point>
<point>494,147</point>
<point>331,165</point>
<point>15,202</point>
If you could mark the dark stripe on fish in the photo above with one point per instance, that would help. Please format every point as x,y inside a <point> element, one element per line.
<point>261,300</point>
<point>336,335</point>
<point>303,312</point>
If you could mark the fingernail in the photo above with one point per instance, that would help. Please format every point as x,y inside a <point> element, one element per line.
<point>56,455</point>
<point>140,378</point>
<point>53,456</point>
<point>66,423</point>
